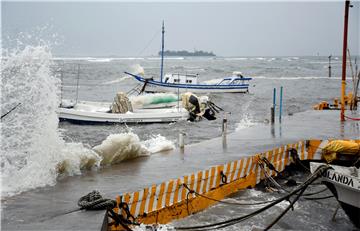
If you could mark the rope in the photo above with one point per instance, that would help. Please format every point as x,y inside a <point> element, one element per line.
<point>287,208</point>
<point>120,219</point>
<point>301,189</point>
<point>94,201</point>
<point>318,198</point>
<point>295,156</point>
<point>351,118</point>
<point>12,109</point>
<point>223,202</point>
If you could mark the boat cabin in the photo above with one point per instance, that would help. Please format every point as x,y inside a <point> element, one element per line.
<point>236,79</point>
<point>181,78</point>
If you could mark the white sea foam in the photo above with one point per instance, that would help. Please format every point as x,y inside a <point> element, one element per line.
<point>119,80</point>
<point>158,143</point>
<point>125,146</point>
<point>236,58</point>
<point>137,69</point>
<point>119,147</point>
<point>33,152</point>
<point>245,122</point>
<point>100,60</point>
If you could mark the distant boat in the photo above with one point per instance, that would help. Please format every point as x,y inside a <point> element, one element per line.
<point>189,82</point>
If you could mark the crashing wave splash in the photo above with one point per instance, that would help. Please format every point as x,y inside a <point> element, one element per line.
<point>33,152</point>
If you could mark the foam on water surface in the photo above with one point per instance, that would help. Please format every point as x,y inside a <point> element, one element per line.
<point>33,151</point>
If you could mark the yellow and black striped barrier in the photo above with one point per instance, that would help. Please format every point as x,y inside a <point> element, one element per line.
<point>162,203</point>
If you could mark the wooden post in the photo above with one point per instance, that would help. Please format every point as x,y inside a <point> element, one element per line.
<point>329,66</point>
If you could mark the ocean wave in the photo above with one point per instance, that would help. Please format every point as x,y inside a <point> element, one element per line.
<point>33,150</point>
<point>126,146</point>
<point>100,60</point>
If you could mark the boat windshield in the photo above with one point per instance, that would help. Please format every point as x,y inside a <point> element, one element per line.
<point>237,82</point>
<point>225,82</point>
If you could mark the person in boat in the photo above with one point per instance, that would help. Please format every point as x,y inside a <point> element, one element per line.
<point>197,107</point>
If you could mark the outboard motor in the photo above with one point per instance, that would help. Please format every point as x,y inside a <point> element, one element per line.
<point>199,107</point>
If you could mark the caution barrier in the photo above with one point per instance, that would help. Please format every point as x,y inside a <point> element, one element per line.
<point>160,204</point>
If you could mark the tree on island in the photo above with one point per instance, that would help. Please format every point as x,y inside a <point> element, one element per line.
<point>187,53</point>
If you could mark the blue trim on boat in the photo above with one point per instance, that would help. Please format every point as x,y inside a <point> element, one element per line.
<point>191,86</point>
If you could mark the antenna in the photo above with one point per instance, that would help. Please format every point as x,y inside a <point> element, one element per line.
<point>162,52</point>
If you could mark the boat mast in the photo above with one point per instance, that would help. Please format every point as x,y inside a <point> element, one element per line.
<point>343,76</point>
<point>162,53</point>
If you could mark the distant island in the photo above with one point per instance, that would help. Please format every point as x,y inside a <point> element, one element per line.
<point>187,53</point>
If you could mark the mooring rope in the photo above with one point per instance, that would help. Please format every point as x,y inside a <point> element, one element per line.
<point>94,201</point>
<point>352,118</point>
<point>223,202</point>
<point>301,188</point>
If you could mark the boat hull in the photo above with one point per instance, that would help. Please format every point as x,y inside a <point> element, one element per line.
<point>156,86</point>
<point>138,116</point>
<point>344,183</point>
<point>194,89</point>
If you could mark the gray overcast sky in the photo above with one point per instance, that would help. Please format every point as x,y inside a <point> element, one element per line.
<point>227,29</point>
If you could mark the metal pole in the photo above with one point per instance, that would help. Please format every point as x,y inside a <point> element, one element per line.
<point>329,66</point>
<point>280,107</point>
<point>181,140</point>
<point>162,53</point>
<point>224,126</point>
<point>224,132</point>
<point>61,85</point>
<point>77,84</point>
<point>273,108</point>
<point>343,76</point>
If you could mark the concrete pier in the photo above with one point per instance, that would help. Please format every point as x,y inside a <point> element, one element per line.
<point>49,208</point>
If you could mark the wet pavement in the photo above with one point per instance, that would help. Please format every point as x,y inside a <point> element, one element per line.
<point>52,208</point>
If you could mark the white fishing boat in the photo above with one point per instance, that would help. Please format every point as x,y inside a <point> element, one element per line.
<point>95,112</point>
<point>176,82</point>
<point>155,108</point>
<point>344,183</point>
<point>152,109</point>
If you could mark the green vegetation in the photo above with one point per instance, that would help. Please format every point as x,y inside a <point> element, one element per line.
<point>187,53</point>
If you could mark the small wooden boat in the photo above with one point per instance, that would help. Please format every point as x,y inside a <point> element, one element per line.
<point>344,183</point>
